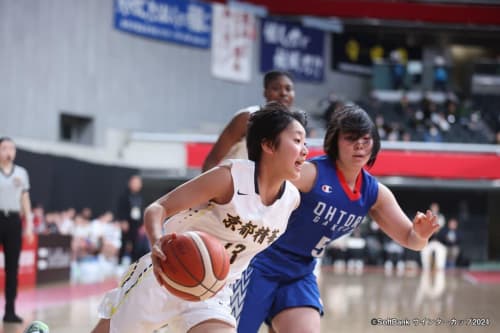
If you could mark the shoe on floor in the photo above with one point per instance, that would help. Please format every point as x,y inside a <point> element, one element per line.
<point>12,318</point>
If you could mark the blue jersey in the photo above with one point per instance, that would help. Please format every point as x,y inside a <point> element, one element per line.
<point>330,210</point>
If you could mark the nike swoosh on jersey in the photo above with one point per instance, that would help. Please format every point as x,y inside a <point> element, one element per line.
<point>240,193</point>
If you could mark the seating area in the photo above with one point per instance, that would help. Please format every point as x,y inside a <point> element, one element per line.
<point>453,121</point>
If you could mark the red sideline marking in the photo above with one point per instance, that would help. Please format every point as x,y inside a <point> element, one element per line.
<point>483,277</point>
<point>48,296</point>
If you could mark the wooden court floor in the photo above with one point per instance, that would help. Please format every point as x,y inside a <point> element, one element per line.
<point>372,301</point>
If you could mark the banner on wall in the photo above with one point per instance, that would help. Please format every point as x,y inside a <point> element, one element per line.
<point>54,258</point>
<point>290,47</point>
<point>185,22</point>
<point>233,34</point>
<point>356,53</point>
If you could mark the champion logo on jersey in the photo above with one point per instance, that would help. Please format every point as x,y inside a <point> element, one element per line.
<point>326,188</point>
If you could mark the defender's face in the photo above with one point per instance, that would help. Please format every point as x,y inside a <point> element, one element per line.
<point>280,90</point>
<point>355,151</point>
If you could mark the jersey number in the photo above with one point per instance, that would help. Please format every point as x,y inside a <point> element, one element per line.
<point>320,247</point>
<point>234,249</point>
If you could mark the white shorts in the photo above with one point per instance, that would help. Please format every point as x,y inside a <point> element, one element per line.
<point>140,304</point>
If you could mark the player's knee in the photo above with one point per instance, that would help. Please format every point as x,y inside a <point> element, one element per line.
<point>297,320</point>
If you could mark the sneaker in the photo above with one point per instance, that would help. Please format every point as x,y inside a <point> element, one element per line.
<point>37,327</point>
<point>12,318</point>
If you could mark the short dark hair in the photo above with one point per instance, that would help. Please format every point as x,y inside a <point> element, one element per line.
<point>354,120</point>
<point>5,138</point>
<point>273,75</point>
<point>267,124</point>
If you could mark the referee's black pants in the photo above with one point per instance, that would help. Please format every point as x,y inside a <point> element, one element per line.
<point>11,239</point>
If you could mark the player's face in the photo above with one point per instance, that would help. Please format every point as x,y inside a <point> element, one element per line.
<point>280,90</point>
<point>354,151</point>
<point>292,151</point>
<point>7,151</point>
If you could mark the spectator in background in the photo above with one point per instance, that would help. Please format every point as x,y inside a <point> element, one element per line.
<point>98,229</point>
<point>86,213</point>
<point>374,243</point>
<point>381,128</point>
<point>356,245</point>
<point>394,256</point>
<point>497,138</point>
<point>38,218</point>
<point>67,222</point>
<point>440,74</point>
<point>130,210</point>
<point>433,134</point>
<point>406,136</point>
<point>14,202</point>
<point>434,246</point>
<point>398,70</point>
<point>336,253</point>
<point>334,103</point>
<point>451,111</point>
<point>80,242</point>
<point>428,108</point>
<point>451,237</point>
<point>52,222</point>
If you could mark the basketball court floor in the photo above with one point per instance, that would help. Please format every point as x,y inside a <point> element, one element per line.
<point>451,301</point>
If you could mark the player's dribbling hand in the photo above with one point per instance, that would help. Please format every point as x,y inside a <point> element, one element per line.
<point>157,254</point>
<point>425,224</point>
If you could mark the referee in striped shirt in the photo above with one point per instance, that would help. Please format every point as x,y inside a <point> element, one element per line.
<point>14,203</point>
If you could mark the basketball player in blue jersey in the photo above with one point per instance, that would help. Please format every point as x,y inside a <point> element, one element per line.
<point>337,193</point>
<point>244,203</point>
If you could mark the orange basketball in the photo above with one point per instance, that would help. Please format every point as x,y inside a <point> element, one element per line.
<point>196,267</point>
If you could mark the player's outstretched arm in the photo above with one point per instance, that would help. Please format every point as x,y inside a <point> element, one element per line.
<point>394,222</point>
<point>234,131</point>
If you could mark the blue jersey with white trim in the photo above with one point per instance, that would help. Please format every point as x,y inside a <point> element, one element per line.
<point>327,212</point>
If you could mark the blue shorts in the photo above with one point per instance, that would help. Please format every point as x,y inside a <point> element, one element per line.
<point>264,297</point>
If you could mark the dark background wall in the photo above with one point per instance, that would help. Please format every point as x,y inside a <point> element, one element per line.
<point>59,182</point>
<point>473,208</point>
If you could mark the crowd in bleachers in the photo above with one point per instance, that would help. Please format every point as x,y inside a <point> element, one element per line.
<point>455,121</point>
<point>95,240</point>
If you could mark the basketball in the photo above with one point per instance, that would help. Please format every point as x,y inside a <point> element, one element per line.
<point>196,267</point>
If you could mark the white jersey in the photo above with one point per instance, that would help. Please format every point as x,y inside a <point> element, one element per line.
<point>239,149</point>
<point>245,225</point>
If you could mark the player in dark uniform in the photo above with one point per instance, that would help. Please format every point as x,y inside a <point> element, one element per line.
<point>280,286</point>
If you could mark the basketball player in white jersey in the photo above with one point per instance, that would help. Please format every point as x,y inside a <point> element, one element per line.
<point>221,202</point>
<point>278,86</point>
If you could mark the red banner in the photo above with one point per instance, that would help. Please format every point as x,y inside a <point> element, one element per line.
<point>444,165</point>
